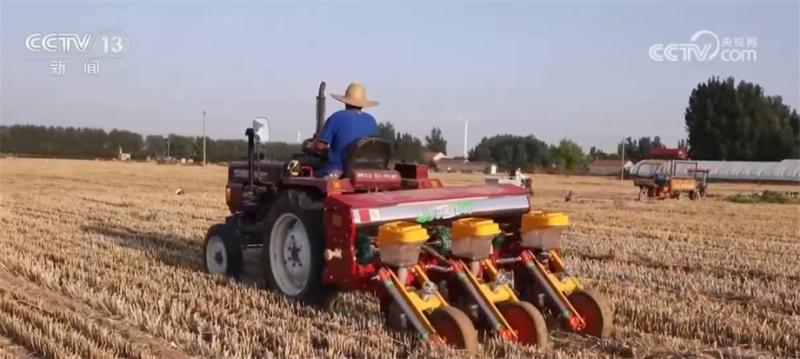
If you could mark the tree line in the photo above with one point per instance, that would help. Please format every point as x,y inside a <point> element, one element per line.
<point>97,143</point>
<point>408,148</point>
<point>724,121</point>
<point>738,122</point>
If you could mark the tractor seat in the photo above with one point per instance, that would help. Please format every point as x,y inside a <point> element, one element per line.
<point>366,164</point>
<point>367,153</point>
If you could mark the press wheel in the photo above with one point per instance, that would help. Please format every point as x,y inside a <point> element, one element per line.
<point>593,307</point>
<point>527,321</point>
<point>455,328</point>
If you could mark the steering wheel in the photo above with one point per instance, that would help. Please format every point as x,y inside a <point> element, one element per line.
<point>313,153</point>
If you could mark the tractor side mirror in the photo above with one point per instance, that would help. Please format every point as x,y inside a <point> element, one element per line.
<point>261,129</point>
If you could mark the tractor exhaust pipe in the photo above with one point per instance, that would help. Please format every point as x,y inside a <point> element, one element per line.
<point>320,107</point>
<point>250,149</point>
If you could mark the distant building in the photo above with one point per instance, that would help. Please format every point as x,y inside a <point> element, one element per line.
<point>461,165</point>
<point>431,156</point>
<point>122,156</point>
<point>441,163</point>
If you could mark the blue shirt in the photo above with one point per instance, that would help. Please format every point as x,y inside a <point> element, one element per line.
<point>341,129</point>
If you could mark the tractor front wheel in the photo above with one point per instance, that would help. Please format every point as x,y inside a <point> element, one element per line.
<point>593,307</point>
<point>527,321</point>
<point>223,251</point>
<point>293,248</point>
<point>452,325</point>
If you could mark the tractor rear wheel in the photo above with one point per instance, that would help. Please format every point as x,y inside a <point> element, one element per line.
<point>527,321</point>
<point>293,248</point>
<point>593,307</point>
<point>455,328</point>
<point>223,251</point>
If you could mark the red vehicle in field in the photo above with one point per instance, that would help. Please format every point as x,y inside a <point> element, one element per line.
<point>441,260</point>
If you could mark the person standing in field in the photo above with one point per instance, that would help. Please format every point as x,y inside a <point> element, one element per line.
<point>345,127</point>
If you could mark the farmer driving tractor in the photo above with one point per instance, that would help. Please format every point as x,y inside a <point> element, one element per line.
<point>345,127</point>
<point>398,234</point>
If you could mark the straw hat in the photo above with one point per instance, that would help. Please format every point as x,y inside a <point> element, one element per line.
<point>355,95</point>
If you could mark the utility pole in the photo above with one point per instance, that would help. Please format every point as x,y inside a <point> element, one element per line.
<point>622,167</point>
<point>466,127</point>
<point>466,137</point>
<point>299,136</point>
<point>204,137</point>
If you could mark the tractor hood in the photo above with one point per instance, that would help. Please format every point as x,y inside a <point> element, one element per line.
<point>432,204</point>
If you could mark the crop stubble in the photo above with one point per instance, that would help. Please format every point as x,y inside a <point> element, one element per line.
<point>103,260</point>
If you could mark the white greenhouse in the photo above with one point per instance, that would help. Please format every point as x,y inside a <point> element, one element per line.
<point>783,171</point>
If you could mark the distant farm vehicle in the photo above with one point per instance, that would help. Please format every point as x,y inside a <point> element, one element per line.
<point>662,179</point>
<point>441,261</point>
<point>515,177</point>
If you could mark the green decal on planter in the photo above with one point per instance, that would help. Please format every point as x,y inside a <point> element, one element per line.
<point>445,211</point>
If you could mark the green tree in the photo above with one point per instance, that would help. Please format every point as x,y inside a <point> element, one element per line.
<point>569,155</point>
<point>435,142</point>
<point>645,145</point>
<point>598,154</point>
<point>182,147</point>
<point>130,142</point>
<point>155,146</point>
<point>729,121</point>
<point>88,143</point>
<point>657,142</point>
<point>55,141</point>
<point>511,151</point>
<point>386,131</point>
<point>637,150</point>
<point>631,149</point>
<point>407,148</point>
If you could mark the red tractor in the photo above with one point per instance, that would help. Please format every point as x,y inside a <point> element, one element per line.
<point>441,260</point>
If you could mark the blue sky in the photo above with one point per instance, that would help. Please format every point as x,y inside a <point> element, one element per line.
<point>553,69</point>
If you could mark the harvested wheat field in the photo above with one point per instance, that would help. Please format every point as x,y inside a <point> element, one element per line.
<point>104,260</point>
